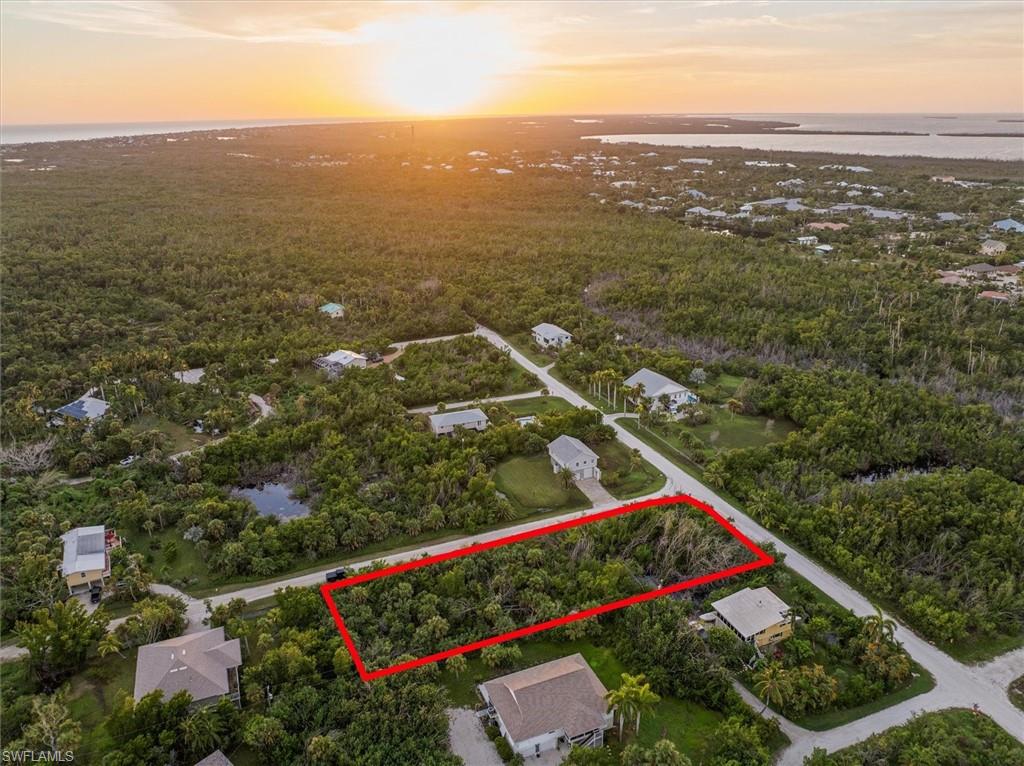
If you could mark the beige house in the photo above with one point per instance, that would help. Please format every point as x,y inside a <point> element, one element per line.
<point>203,664</point>
<point>336,362</point>
<point>86,560</point>
<point>542,708</point>
<point>756,615</point>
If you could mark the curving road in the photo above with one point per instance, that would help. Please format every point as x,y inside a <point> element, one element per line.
<point>957,685</point>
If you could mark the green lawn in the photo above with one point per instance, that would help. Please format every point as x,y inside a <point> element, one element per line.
<point>689,725</point>
<point>523,343</point>
<point>181,437</point>
<point>537,405</point>
<point>727,431</point>
<point>94,692</point>
<point>642,480</point>
<point>1016,692</point>
<point>530,484</point>
<point>982,649</point>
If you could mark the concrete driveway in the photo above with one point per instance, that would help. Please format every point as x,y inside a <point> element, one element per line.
<point>468,741</point>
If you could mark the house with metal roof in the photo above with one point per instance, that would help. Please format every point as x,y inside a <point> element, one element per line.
<point>333,310</point>
<point>1009,224</point>
<point>86,559</point>
<point>539,709</point>
<point>569,452</point>
<point>445,423</point>
<point>336,362</point>
<point>216,758</point>
<point>203,664</point>
<point>949,217</point>
<point>547,335</point>
<point>86,407</point>
<point>756,615</point>
<point>656,387</point>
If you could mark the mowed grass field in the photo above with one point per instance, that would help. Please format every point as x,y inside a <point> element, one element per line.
<point>689,725</point>
<point>728,431</point>
<point>531,485</point>
<point>635,477</point>
<point>181,437</point>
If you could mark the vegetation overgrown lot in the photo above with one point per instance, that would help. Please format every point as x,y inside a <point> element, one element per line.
<point>946,737</point>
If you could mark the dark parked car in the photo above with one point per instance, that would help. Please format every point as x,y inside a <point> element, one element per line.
<point>337,574</point>
<point>94,594</point>
<point>373,357</point>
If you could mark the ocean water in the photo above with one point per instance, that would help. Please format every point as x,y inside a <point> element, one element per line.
<point>23,134</point>
<point>929,145</point>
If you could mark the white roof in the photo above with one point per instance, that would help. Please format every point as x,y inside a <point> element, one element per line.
<point>191,377</point>
<point>84,550</point>
<point>548,330</point>
<point>85,408</point>
<point>457,418</point>
<point>751,611</point>
<point>343,357</point>
<point>655,384</point>
<point>566,449</point>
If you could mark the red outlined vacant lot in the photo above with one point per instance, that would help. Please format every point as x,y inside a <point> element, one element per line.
<point>761,559</point>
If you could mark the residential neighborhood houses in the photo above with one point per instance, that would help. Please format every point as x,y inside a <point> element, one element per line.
<point>569,453</point>
<point>86,560</point>
<point>445,423</point>
<point>756,615</point>
<point>203,664</point>
<point>547,335</point>
<point>336,362</point>
<point>663,392</point>
<point>561,702</point>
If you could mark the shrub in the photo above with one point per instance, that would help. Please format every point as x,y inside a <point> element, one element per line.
<point>504,749</point>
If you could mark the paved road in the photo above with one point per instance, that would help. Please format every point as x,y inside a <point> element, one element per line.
<point>456,405</point>
<point>957,685</point>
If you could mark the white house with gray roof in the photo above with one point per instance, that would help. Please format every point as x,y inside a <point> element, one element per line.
<point>445,423</point>
<point>546,706</point>
<point>569,452</point>
<point>336,362</point>
<point>547,335</point>
<point>203,664</point>
<point>656,387</point>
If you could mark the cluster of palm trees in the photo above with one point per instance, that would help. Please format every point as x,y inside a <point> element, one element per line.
<point>633,697</point>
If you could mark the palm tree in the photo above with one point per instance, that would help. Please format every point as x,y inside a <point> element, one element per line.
<point>771,684</point>
<point>567,477</point>
<point>879,628</point>
<point>633,697</point>
<point>109,644</point>
<point>203,731</point>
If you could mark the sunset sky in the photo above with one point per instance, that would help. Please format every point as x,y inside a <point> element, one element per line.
<point>67,62</point>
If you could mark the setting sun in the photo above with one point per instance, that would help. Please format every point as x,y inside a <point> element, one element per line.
<point>441,63</point>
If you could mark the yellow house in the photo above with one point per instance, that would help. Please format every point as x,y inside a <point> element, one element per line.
<point>86,561</point>
<point>756,615</point>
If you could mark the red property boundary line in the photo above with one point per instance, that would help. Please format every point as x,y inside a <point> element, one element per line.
<point>762,560</point>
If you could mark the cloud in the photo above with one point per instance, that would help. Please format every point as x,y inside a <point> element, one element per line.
<point>271,23</point>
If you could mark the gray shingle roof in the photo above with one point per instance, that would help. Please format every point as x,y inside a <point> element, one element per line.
<point>655,384</point>
<point>566,449</point>
<point>196,662</point>
<point>562,694</point>
<point>548,330</point>
<point>458,418</point>
<point>216,758</point>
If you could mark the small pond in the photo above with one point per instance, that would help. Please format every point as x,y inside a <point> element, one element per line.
<point>273,499</point>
